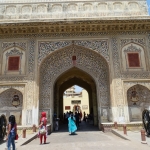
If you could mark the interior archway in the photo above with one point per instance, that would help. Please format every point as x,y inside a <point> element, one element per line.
<point>69,78</point>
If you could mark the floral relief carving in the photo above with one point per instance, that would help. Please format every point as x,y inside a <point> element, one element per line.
<point>7,45</point>
<point>132,48</point>
<point>60,61</point>
<point>140,41</point>
<point>14,52</point>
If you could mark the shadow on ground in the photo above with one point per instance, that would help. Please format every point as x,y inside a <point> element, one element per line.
<point>2,141</point>
<point>84,126</point>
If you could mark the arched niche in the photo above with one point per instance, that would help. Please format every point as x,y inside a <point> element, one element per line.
<point>138,98</point>
<point>13,61</point>
<point>118,6</point>
<point>6,107</point>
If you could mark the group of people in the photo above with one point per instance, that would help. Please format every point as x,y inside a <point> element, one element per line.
<point>77,114</point>
<point>72,119</point>
<point>12,130</point>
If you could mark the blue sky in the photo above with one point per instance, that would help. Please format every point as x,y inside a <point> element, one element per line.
<point>78,88</point>
<point>148,3</point>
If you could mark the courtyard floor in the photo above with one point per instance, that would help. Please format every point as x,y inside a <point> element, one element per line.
<point>87,138</point>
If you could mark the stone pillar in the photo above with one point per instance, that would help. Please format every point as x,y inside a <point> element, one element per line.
<point>95,113</point>
<point>119,108</point>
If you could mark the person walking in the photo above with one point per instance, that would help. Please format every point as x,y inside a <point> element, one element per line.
<point>12,131</point>
<point>43,128</point>
<point>84,116</point>
<point>71,124</point>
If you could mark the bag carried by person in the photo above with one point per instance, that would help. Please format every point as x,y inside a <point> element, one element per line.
<point>16,137</point>
<point>42,130</point>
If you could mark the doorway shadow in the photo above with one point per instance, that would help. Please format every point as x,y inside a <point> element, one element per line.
<point>84,127</point>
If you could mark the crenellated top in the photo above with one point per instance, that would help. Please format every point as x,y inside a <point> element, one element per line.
<point>60,9</point>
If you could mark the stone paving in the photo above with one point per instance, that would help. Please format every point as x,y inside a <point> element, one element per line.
<point>86,139</point>
<point>20,141</point>
<point>133,136</point>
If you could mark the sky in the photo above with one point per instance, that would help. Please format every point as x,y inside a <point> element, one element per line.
<point>148,3</point>
<point>78,88</point>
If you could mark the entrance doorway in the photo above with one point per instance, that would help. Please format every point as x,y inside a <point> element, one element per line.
<point>75,76</point>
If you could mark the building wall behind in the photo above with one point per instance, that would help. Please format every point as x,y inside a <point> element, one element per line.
<point>84,105</point>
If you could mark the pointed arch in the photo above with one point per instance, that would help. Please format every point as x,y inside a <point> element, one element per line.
<point>60,61</point>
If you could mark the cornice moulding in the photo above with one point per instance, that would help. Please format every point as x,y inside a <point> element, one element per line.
<point>72,26</point>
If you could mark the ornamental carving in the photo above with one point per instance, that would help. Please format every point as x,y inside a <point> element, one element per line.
<point>16,87</point>
<point>132,48</point>
<point>56,8</point>
<point>139,41</point>
<point>27,9</point>
<point>11,10</point>
<point>60,61</point>
<point>6,97</point>
<point>78,27</point>
<point>117,6</point>
<point>133,6</point>
<point>102,6</point>
<point>72,7</point>
<point>7,45</point>
<point>14,52</point>
<point>80,9</point>
<point>41,9</point>
<point>46,47</point>
<point>138,99</point>
<point>87,7</point>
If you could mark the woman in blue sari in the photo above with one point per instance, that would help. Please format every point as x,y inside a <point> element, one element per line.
<point>71,124</point>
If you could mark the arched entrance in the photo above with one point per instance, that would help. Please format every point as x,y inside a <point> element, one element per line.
<point>69,78</point>
<point>59,70</point>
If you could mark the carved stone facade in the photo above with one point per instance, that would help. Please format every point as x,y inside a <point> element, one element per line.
<point>101,47</point>
<point>50,9</point>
